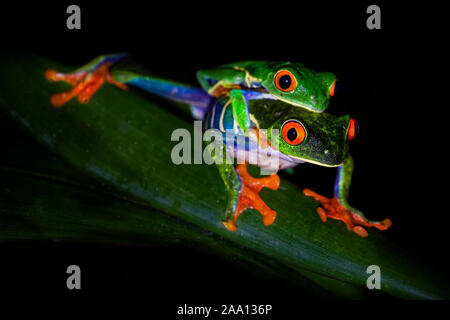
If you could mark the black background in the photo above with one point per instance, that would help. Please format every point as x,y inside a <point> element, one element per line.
<point>394,82</point>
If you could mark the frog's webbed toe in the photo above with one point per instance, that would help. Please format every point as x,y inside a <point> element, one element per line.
<point>355,221</point>
<point>249,198</point>
<point>85,83</point>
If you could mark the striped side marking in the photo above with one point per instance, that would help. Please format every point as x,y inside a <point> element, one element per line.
<point>221,126</point>
<point>213,115</point>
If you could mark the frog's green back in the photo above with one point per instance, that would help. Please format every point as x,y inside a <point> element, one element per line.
<point>290,82</point>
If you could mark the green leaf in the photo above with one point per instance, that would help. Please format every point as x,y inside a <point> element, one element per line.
<point>45,200</point>
<point>123,139</point>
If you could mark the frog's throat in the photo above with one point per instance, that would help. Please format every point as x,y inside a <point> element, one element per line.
<point>317,162</point>
<point>297,104</point>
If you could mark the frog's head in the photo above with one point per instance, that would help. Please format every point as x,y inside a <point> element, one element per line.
<point>318,138</point>
<point>300,86</point>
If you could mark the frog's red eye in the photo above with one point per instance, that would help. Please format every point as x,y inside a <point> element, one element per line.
<point>353,129</point>
<point>293,132</point>
<point>334,87</point>
<point>285,81</point>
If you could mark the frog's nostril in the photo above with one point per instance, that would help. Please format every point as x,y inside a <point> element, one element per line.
<point>330,154</point>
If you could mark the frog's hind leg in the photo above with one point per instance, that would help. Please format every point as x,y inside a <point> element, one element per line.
<point>239,101</point>
<point>167,89</point>
<point>198,112</point>
<point>243,192</point>
<point>85,80</point>
<point>90,77</point>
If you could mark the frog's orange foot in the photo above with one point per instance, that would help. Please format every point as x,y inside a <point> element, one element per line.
<point>84,83</point>
<point>249,196</point>
<point>332,208</point>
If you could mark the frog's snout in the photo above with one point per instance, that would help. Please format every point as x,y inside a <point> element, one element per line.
<point>320,101</point>
<point>332,157</point>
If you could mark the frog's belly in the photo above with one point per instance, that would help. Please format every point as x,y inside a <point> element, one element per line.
<point>267,158</point>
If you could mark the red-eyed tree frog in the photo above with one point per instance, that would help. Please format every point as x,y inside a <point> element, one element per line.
<point>292,83</point>
<point>303,135</point>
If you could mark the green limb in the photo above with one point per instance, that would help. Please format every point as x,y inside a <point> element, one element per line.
<point>341,192</point>
<point>342,185</point>
<point>338,207</point>
<point>229,176</point>
<point>343,180</point>
<point>220,77</point>
<point>240,110</point>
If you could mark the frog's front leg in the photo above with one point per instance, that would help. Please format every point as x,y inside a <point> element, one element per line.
<point>218,82</point>
<point>236,84</point>
<point>239,101</point>
<point>338,207</point>
<point>243,191</point>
